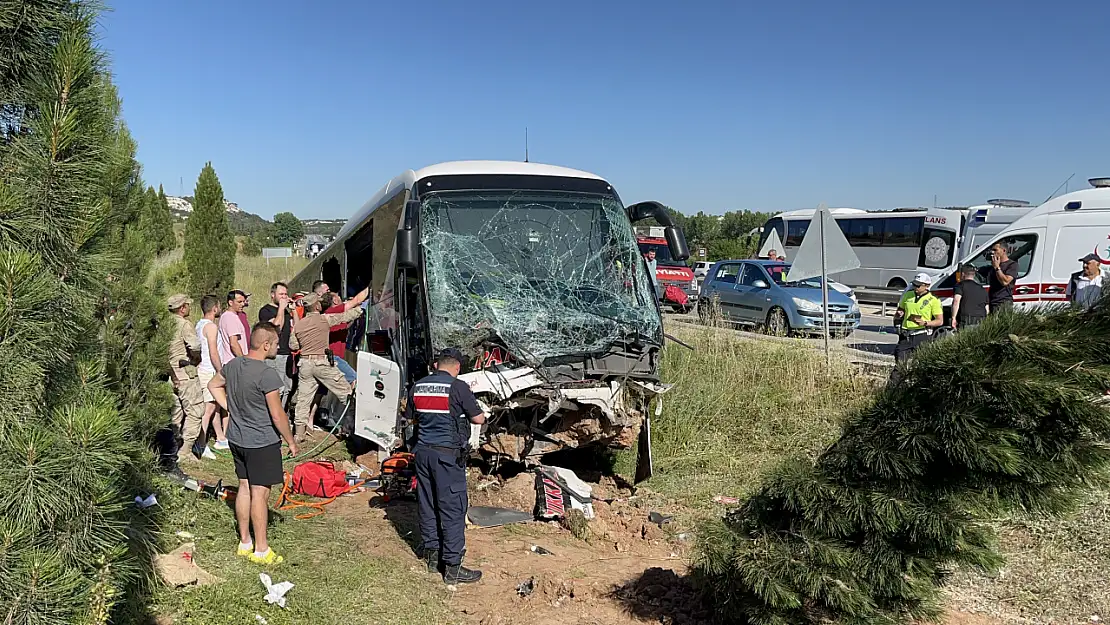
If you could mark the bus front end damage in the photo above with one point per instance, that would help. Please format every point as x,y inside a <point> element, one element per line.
<point>548,296</point>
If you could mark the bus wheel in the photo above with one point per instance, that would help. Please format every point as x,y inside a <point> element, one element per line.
<point>778,324</point>
<point>897,283</point>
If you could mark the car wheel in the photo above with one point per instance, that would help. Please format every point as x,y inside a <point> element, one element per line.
<point>897,283</point>
<point>778,324</point>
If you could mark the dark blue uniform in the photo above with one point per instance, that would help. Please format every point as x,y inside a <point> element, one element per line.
<point>442,406</point>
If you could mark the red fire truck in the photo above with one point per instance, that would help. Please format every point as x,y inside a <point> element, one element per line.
<point>668,272</point>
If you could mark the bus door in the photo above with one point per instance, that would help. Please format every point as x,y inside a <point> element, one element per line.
<point>940,240</point>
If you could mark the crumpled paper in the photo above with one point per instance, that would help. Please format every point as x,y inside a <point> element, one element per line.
<point>275,593</point>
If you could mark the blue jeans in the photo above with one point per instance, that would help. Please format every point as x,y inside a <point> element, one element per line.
<point>346,369</point>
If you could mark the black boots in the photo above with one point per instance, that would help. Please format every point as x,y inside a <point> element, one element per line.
<point>459,574</point>
<point>431,558</point>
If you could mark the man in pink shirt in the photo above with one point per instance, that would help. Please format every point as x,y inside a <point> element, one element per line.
<point>231,342</point>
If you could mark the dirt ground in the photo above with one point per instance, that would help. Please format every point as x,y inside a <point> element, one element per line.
<point>625,569</point>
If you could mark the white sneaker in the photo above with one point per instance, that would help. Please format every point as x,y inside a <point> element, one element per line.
<point>208,453</point>
<point>221,446</point>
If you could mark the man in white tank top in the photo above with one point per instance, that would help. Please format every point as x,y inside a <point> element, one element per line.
<point>207,333</point>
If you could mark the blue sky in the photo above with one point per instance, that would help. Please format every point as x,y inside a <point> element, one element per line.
<point>714,106</point>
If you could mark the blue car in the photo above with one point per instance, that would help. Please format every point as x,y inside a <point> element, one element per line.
<point>756,292</point>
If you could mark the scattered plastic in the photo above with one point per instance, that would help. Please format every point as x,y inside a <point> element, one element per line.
<point>540,550</point>
<point>261,620</point>
<point>682,536</point>
<point>488,516</point>
<point>184,535</point>
<point>146,502</point>
<point>726,500</point>
<point>660,519</point>
<point>526,587</point>
<point>275,593</point>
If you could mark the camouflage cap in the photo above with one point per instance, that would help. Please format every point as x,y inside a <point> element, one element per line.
<point>311,299</point>
<point>178,300</point>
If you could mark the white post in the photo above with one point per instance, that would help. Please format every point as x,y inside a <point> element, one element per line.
<point>825,294</point>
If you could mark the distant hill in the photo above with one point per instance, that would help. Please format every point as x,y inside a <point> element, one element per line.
<point>248,224</point>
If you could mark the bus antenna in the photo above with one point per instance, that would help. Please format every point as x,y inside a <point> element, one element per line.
<point>1062,184</point>
<point>526,144</point>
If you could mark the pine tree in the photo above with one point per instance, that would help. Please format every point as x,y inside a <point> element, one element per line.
<point>209,244</point>
<point>82,343</point>
<point>1002,417</point>
<point>163,220</point>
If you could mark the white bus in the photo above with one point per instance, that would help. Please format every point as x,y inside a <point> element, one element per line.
<point>952,234</point>
<point>533,272</point>
<point>888,243</point>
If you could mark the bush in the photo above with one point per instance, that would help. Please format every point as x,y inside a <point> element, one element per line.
<point>1002,417</point>
<point>249,247</point>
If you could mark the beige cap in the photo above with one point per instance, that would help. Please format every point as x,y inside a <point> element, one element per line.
<point>311,299</point>
<point>178,300</point>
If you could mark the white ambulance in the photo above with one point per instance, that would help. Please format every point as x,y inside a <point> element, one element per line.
<point>952,234</point>
<point>1047,244</point>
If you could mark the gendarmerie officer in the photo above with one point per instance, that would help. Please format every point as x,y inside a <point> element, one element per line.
<point>443,407</point>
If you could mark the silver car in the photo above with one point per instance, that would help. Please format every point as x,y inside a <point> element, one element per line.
<point>756,292</point>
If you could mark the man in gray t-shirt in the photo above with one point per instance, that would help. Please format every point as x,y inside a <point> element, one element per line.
<point>250,390</point>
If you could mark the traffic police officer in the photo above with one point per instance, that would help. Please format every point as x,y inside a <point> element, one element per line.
<point>188,409</point>
<point>443,407</point>
<point>919,311</point>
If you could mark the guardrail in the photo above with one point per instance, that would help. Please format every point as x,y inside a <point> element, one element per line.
<point>878,296</point>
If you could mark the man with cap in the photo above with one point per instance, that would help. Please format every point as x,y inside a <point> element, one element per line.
<point>317,364</point>
<point>1085,287</point>
<point>185,350</point>
<point>919,311</point>
<point>443,407</point>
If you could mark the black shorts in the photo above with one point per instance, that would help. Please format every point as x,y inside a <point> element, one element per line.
<point>259,466</point>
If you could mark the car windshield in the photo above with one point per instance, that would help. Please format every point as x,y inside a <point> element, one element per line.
<point>549,273</point>
<point>778,274</point>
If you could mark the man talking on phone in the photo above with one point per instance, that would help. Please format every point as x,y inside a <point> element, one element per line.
<point>919,311</point>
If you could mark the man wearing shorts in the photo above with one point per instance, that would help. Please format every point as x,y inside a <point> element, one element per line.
<point>251,391</point>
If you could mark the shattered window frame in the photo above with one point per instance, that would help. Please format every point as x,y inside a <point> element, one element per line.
<point>546,273</point>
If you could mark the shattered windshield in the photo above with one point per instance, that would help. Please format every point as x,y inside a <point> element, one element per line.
<point>548,273</point>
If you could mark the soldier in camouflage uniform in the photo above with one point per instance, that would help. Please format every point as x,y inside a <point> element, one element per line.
<point>184,353</point>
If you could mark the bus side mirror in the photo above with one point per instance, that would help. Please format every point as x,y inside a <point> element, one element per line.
<point>408,238</point>
<point>654,210</point>
<point>677,242</point>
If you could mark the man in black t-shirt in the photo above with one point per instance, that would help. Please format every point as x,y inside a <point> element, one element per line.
<point>969,304</point>
<point>280,314</point>
<point>1004,272</point>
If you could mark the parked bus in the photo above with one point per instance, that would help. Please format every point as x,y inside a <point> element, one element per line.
<point>887,242</point>
<point>669,271</point>
<point>951,234</point>
<point>1046,243</point>
<point>531,270</point>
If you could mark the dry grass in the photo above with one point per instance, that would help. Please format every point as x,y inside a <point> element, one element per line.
<point>254,276</point>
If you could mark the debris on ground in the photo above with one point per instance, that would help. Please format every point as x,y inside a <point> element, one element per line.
<point>146,502</point>
<point>526,587</point>
<point>660,519</point>
<point>178,568</point>
<point>540,550</point>
<point>184,535</point>
<point>489,516</point>
<point>275,593</point>
<point>728,501</point>
<point>662,595</point>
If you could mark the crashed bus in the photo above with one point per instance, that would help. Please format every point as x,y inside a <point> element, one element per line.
<point>531,270</point>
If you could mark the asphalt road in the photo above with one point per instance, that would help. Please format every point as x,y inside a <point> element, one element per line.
<point>875,334</point>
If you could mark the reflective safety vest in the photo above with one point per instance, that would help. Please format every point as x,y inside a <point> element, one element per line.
<point>928,306</point>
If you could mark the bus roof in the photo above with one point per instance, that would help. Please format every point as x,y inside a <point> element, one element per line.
<point>457,168</point>
<point>808,212</point>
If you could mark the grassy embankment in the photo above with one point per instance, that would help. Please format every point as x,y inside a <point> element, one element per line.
<point>737,408</point>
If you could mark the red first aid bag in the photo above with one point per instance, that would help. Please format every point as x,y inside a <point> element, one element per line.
<point>674,294</point>
<point>318,479</point>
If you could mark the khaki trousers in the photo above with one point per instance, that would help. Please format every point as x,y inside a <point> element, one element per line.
<point>311,374</point>
<point>188,410</point>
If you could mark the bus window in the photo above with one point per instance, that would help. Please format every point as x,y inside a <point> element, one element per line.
<point>776,224</point>
<point>864,232</point>
<point>939,247</point>
<point>902,231</point>
<point>795,232</point>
